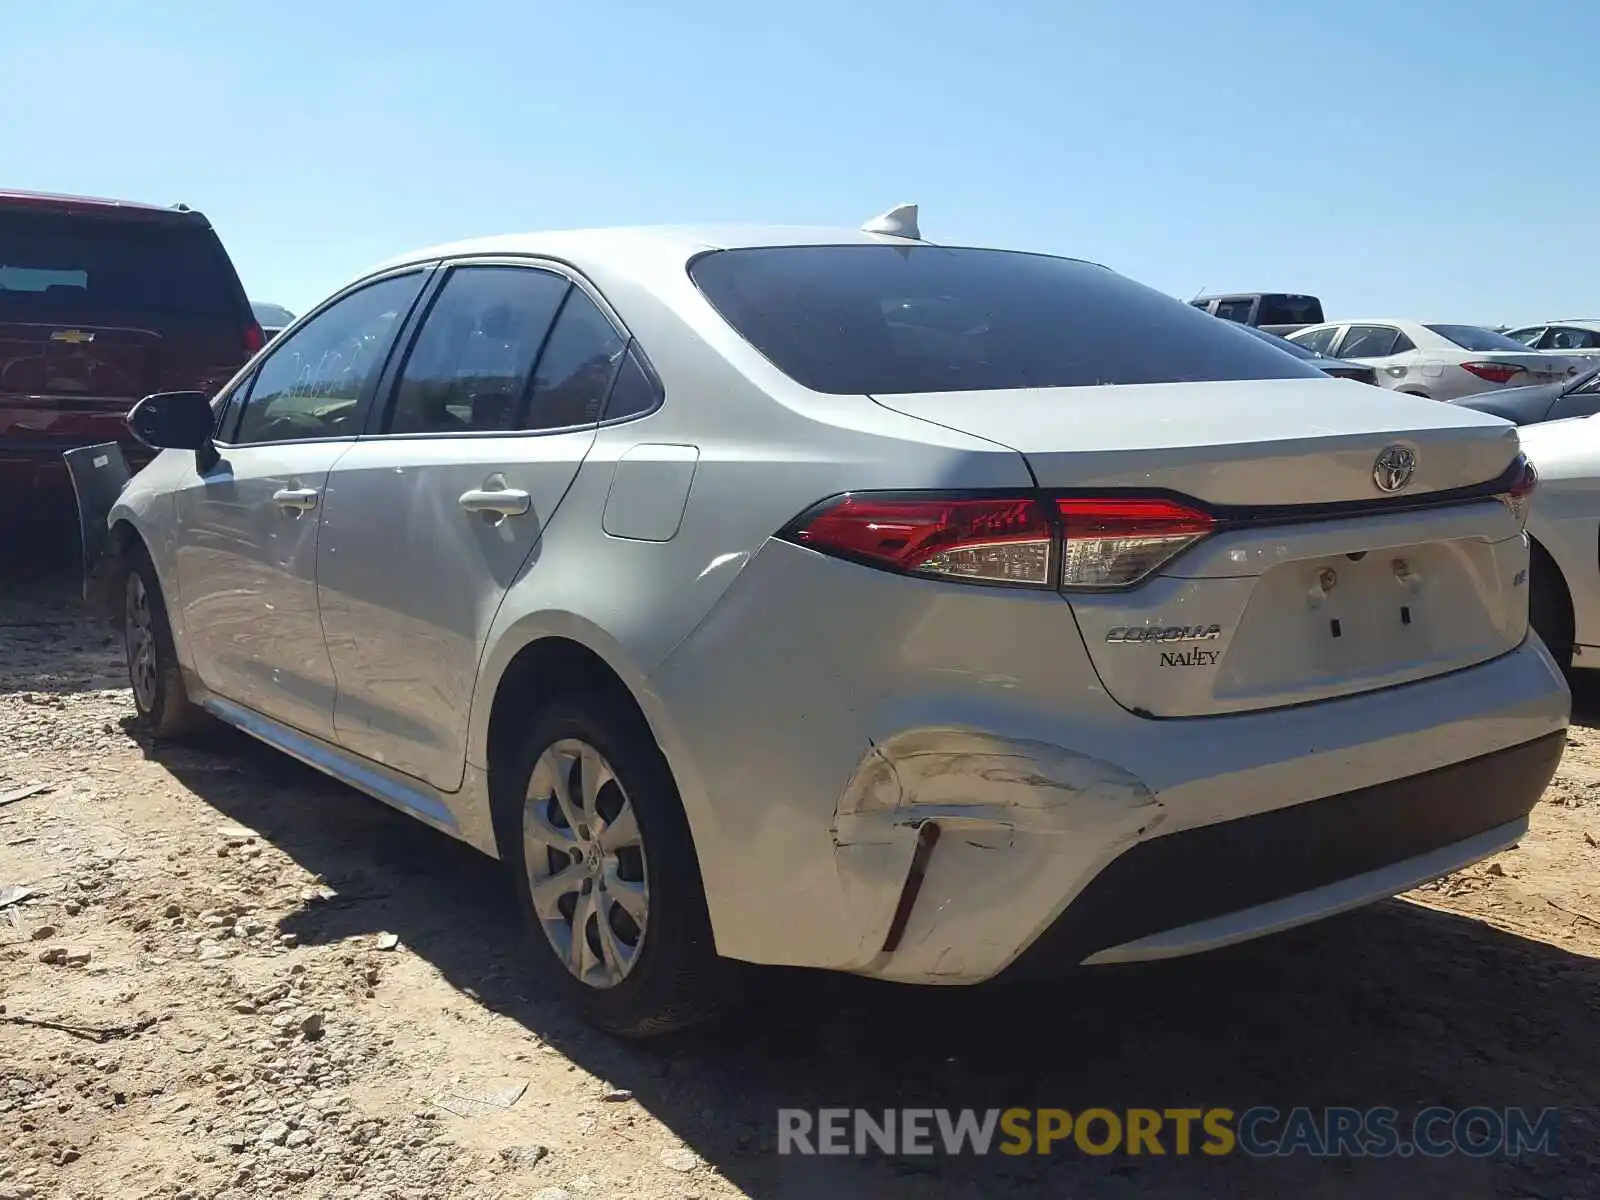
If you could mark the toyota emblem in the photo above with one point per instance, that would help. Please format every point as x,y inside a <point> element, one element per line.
<point>1394,468</point>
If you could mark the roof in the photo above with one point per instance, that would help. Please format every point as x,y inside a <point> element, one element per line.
<point>680,240</point>
<point>94,205</point>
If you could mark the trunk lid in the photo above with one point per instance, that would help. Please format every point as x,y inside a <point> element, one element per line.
<point>1315,583</point>
<point>1251,442</point>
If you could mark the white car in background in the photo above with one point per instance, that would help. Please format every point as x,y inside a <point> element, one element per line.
<point>1438,361</point>
<point>1564,527</point>
<point>1563,337</point>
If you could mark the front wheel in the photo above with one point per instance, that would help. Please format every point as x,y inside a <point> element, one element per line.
<point>153,672</point>
<point>607,873</point>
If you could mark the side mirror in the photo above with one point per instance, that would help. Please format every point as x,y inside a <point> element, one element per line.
<point>173,421</point>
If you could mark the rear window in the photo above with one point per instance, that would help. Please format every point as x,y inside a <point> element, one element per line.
<point>1290,310</point>
<point>896,319</point>
<point>1470,337</point>
<point>59,267</point>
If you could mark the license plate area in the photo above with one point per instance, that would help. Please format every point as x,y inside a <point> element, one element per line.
<point>1342,622</point>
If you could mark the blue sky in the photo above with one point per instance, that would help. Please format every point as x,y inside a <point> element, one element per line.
<point>1433,160</point>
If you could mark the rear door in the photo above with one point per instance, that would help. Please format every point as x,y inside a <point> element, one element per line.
<point>1384,348</point>
<point>429,520</point>
<point>246,528</point>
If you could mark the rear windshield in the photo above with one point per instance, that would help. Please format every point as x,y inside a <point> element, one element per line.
<point>1470,337</point>
<point>1290,310</point>
<point>896,319</point>
<point>55,267</point>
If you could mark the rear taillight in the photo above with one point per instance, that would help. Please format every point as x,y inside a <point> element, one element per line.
<point>1110,543</point>
<point>1099,543</point>
<point>1005,540</point>
<point>1519,496</point>
<point>1493,372</point>
<point>254,339</point>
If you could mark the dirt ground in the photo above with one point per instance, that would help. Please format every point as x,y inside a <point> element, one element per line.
<point>261,983</point>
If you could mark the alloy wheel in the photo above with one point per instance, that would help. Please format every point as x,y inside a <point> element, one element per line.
<point>139,635</point>
<point>586,863</point>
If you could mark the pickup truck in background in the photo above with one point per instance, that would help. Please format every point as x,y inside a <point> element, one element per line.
<point>1276,312</point>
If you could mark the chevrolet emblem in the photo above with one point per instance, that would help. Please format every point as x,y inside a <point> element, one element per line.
<point>73,337</point>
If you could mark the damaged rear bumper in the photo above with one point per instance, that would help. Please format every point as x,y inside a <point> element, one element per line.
<point>1040,860</point>
<point>1216,884</point>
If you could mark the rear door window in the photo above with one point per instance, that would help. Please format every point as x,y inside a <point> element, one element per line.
<point>1368,341</point>
<point>469,366</point>
<point>577,367</point>
<point>1567,338</point>
<point>887,320</point>
<point>1235,310</point>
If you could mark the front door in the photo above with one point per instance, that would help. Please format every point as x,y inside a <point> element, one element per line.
<point>429,521</point>
<point>246,527</point>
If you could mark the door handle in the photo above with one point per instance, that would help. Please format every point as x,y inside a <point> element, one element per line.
<point>297,500</point>
<point>507,502</point>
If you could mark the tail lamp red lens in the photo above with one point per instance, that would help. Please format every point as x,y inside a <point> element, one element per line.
<point>254,339</point>
<point>1074,543</point>
<point>1492,371</point>
<point>991,540</point>
<point>1519,496</point>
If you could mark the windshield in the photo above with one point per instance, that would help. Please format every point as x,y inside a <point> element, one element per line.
<point>887,319</point>
<point>1472,337</point>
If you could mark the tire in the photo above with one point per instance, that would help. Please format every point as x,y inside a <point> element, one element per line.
<point>153,673</point>
<point>1549,607</point>
<point>647,978</point>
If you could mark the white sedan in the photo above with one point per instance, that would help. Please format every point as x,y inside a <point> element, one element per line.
<point>1440,362</point>
<point>1564,525</point>
<point>1564,337</point>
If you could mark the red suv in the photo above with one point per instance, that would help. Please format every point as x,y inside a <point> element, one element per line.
<point>102,302</point>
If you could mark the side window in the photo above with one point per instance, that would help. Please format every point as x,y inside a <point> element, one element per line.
<point>576,369</point>
<point>1402,344</point>
<point>635,390</point>
<point>1528,337</point>
<point>468,368</point>
<point>1368,341</point>
<point>1316,340</point>
<point>1573,339</point>
<point>1235,310</point>
<point>228,408</point>
<point>314,383</point>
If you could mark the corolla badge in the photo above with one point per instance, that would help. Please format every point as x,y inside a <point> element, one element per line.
<point>73,337</point>
<point>1394,467</point>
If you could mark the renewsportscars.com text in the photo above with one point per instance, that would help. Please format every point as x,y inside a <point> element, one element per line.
<point>1259,1132</point>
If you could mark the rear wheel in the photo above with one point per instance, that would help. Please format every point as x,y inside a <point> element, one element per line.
<point>606,870</point>
<point>1549,606</point>
<point>153,673</point>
